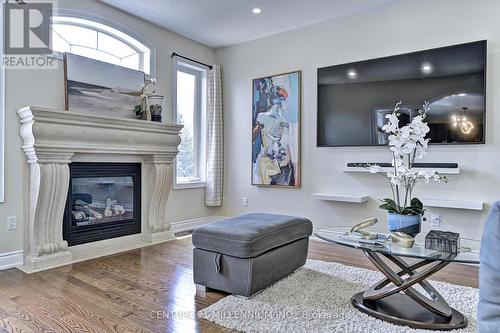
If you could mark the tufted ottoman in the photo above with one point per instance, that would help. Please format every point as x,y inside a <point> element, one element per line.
<point>245,254</point>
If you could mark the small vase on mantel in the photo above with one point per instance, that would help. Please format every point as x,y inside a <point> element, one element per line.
<point>409,224</point>
<point>156,103</point>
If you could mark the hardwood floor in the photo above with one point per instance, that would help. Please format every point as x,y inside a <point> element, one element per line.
<point>137,291</point>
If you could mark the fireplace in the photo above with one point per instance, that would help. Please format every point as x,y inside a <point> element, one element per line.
<point>55,142</point>
<point>104,201</point>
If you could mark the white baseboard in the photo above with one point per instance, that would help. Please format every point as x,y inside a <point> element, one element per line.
<point>11,259</point>
<point>121,244</point>
<point>107,247</point>
<point>193,223</point>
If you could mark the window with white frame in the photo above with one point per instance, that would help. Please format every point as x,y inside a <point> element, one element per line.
<point>101,42</point>
<point>190,112</point>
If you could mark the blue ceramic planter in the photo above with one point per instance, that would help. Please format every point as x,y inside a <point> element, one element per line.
<point>409,224</point>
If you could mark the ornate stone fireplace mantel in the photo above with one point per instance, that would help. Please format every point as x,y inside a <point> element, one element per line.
<point>52,139</point>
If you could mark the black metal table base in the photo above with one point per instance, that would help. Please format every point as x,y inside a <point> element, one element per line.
<point>400,309</point>
<point>395,300</point>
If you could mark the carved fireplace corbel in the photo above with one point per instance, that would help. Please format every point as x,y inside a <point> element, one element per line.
<point>48,190</point>
<point>158,176</point>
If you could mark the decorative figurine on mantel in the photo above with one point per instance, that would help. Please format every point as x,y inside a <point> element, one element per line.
<point>144,110</point>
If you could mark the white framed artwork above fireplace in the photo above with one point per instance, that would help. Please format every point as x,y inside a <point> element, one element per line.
<point>54,139</point>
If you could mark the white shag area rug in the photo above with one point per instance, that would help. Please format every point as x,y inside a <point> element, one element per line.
<point>316,299</point>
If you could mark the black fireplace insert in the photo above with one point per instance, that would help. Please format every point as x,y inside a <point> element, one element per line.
<point>104,201</point>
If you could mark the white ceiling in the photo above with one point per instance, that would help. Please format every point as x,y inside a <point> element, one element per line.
<point>219,23</point>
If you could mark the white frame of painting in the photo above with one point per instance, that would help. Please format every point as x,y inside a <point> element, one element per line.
<point>200,131</point>
<point>2,115</point>
<point>120,30</point>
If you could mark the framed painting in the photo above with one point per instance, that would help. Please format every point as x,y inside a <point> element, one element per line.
<point>99,88</point>
<point>276,108</point>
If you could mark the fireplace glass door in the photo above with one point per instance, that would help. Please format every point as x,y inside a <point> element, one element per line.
<point>97,200</point>
<point>103,201</point>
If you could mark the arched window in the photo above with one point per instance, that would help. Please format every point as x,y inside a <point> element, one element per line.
<point>99,41</point>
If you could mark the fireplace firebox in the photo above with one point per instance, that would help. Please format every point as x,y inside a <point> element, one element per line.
<point>104,201</point>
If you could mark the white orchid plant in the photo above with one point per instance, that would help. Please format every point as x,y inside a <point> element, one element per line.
<point>407,144</point>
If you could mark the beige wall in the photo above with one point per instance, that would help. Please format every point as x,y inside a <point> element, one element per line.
<point>45,88</point>
<point>401,27</point>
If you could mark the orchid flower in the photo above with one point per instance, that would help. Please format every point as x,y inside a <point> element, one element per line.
<point>407,143</point>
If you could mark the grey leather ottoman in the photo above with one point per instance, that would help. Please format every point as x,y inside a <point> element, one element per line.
<point>245,254</point>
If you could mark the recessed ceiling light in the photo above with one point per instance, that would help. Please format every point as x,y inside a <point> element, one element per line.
<point>426,68</point>
<point>256,10</point>
<point>352,74</point>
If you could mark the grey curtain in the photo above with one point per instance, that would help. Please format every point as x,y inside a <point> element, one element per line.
<point>215,140</point>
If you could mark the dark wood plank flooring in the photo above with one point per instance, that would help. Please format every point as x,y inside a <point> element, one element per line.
<point>137,291</point>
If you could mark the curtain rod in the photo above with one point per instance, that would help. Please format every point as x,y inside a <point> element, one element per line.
<point>181,56</point>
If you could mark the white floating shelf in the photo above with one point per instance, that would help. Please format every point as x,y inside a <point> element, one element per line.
<point>443,171</point>
<point>341,198</point>
<point>438,203</point>
<point>455,204</point>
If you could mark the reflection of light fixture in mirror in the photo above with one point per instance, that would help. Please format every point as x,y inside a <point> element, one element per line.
<point>352,74</point>
<point>426,68</point>
<point>460,121</point>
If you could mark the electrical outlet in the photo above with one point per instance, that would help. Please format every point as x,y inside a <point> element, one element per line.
<point>12,223</point>
<point>245,202</point>
<point>435,220</point>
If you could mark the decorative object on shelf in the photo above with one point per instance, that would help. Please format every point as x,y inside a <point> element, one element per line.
<point>402,240</point>
<point>100,88</point>
<point>445,241</point>
<point>156,103</point>
<point>407,144</point>
<point>142,111</point>
<point>415,165</point>
<point>276,130</point>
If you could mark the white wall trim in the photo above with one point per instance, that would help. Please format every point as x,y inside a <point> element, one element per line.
<point>188,185</point>
<point>11,259</point>
<point>193,223</point>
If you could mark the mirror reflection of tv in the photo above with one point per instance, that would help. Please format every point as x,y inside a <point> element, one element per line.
<point>354,98</point>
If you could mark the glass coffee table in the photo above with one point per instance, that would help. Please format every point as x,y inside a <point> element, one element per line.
<point>395,299</point>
